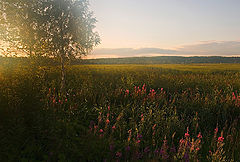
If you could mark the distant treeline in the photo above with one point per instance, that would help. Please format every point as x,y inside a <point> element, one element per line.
<point>163,60</point>
<point>129,60</point>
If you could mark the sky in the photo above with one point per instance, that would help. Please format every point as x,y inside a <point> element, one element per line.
<point>167,27</point>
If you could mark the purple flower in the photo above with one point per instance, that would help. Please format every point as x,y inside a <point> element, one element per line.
<point>147,149</point>
<point>118,154</point>
<point>186,157</point>
<point>111,147</point>
<point>161,151</point>
<point>173,149</point>
<point>138,155</point>
<point>156,151</point>
<point>92,123</point>
<point>164,154</point>
<point>139,136</point>
<point>127,148</point>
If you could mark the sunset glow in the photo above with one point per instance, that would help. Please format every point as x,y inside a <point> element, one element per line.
<point>167,25</point>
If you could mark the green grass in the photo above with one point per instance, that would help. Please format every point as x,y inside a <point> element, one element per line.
<point>37,124</point>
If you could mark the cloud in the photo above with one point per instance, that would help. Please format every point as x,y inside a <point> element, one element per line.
<point>130,52</point>
<point>216,48</point>
<point>207,48</point>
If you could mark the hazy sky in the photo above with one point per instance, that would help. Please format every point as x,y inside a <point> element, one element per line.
<point>177,27</point>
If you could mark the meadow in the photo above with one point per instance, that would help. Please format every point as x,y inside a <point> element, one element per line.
<point>167,112</point>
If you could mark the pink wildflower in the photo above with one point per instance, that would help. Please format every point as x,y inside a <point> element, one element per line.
<point>199,135</point>
<point>118,154</point>
<point>187,134</point>
<point>181,141</point>
<point>220,139</point>
<point>216,130</point>
<point>233,96</point>
<point>154,126</point>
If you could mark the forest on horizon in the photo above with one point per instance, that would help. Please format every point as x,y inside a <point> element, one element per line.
<point>127,60</point>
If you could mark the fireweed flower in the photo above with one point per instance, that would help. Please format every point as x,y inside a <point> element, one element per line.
<point>186,157</point>
<point>233,96</point>
<point>220,139</point>
<point>113,127</point>
<point>118,154</point>
<point>147,149</point>
<point>99,117</point>
<point>107,121</point>
<point>120,91</point>
<point>130,134</point>
<point>199,135</point>
<point>156,151</point>
<point>139,136</point>
<point>216,130</point>
<point>143,87</point>
<point>181,141</point>
<point>142,117</point>
<point>164,149</point>
<point>173,149</point>
<point>187,134</point>
<point>91,125</point>
<point>139,155</point>
<point>111,147</point>
<point>127,148</point>
<point>101,130</point>
<point>153,128</point>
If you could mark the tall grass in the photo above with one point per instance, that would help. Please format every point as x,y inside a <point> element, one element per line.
<point>120,113</point>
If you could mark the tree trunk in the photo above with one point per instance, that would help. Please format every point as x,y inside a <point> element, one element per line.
<point>63,79</point>
<point>30,50</point>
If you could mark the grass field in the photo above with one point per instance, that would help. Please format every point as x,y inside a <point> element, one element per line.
<point>168,112</point>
